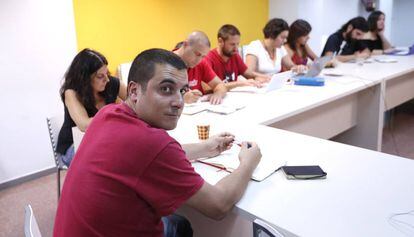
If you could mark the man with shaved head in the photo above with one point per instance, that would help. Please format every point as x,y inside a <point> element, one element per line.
<point>192,51</point>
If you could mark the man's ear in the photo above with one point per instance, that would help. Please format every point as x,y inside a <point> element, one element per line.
<point>220,41</point>
<point>134,91</point>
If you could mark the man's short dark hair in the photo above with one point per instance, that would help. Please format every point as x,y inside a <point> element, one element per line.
<point>143,66</point>
<point>226,31</point>
<point>274,27</point>
<point>358,23</point>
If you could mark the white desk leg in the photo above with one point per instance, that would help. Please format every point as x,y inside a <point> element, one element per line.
<point>367,132</point>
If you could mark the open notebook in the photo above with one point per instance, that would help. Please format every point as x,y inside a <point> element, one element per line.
<point>278,81</point>
<point>224,108</point>
<point>229,160</point>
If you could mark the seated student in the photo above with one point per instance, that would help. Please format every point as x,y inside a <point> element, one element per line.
<point>345,43</point>
<point>227,63</point>
<point>86,89</point>
<point>129,172</point>
<point>375,39</point>
<point>297,43</point>
<point>268,56</point>
<point>192,51</point>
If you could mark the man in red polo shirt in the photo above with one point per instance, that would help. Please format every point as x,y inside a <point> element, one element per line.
<point>227,63</point>
<point>128,172</point>
<point>192,51</point>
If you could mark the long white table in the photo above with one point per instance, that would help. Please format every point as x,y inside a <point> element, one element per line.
<point>349,109</point>
<point>362,190</point>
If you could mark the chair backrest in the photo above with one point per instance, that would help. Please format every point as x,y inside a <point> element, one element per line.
<point>31,229</point>
<point>123,71</point>
<point>242,52</point>
<point>263,229</point>
<point>54,124</point>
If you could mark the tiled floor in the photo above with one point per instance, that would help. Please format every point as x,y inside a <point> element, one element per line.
<point>41,194</point>
<point>398,139</point>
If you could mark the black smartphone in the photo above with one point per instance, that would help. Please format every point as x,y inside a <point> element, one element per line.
<point>304,172</point>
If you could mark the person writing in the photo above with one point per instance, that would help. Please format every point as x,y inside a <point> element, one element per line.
<point>345,43</point>
<point>86,89</point>
<point>128,172</point>
<point>192,51</point>
<point>227,63</point>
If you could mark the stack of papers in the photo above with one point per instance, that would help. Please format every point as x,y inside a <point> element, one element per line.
<point>229,161</point>
<point>401,51</point>
<point>386,60</point>
<point>225,108</point>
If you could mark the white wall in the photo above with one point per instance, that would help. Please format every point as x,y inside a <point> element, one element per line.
<point>37,43</point>
<point>402,33</point>
<point>327,16</point>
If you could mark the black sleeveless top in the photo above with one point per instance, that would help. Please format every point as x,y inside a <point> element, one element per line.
<point>65,139</point>
<point>373,44</point>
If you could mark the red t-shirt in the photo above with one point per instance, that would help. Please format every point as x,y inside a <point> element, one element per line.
<point>124,177</point>
<point>199,73</point>
<point>227,71</point>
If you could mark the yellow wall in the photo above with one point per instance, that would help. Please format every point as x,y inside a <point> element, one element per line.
<point>120,29</point>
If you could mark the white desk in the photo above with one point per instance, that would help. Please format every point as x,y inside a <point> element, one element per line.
<point>362,190</point>
<point>348,109</point>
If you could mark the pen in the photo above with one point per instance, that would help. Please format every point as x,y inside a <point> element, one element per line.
<point>239,143</point>
<point>213,165</point>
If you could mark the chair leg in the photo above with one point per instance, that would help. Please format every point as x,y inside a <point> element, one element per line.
<point>58,184</point>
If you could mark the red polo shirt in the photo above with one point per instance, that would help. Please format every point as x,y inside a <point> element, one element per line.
<point>230,69</point>
<point>124,177</point>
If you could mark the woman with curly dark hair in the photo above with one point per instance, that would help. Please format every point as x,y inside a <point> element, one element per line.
<point>87,87</point>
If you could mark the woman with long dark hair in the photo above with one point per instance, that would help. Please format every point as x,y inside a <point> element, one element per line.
<point>296,45</point>
<point>374,39</point>
<point>86,89</point>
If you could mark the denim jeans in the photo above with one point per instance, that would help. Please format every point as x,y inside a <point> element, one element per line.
<point>176,226</point>
<point>68,156</point>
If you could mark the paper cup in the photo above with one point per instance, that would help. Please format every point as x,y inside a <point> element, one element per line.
<point>203,132</point>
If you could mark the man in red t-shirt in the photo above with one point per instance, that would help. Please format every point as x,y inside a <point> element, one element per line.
<point>128,172</point>
<point>192,51</point>
<point>227,63</point>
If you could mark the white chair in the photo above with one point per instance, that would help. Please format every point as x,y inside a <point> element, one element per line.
<point>31,228</point>
<point>54,124</point>
<point>123,71</point>
<point>242,52</point>
<point>263,229</point>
